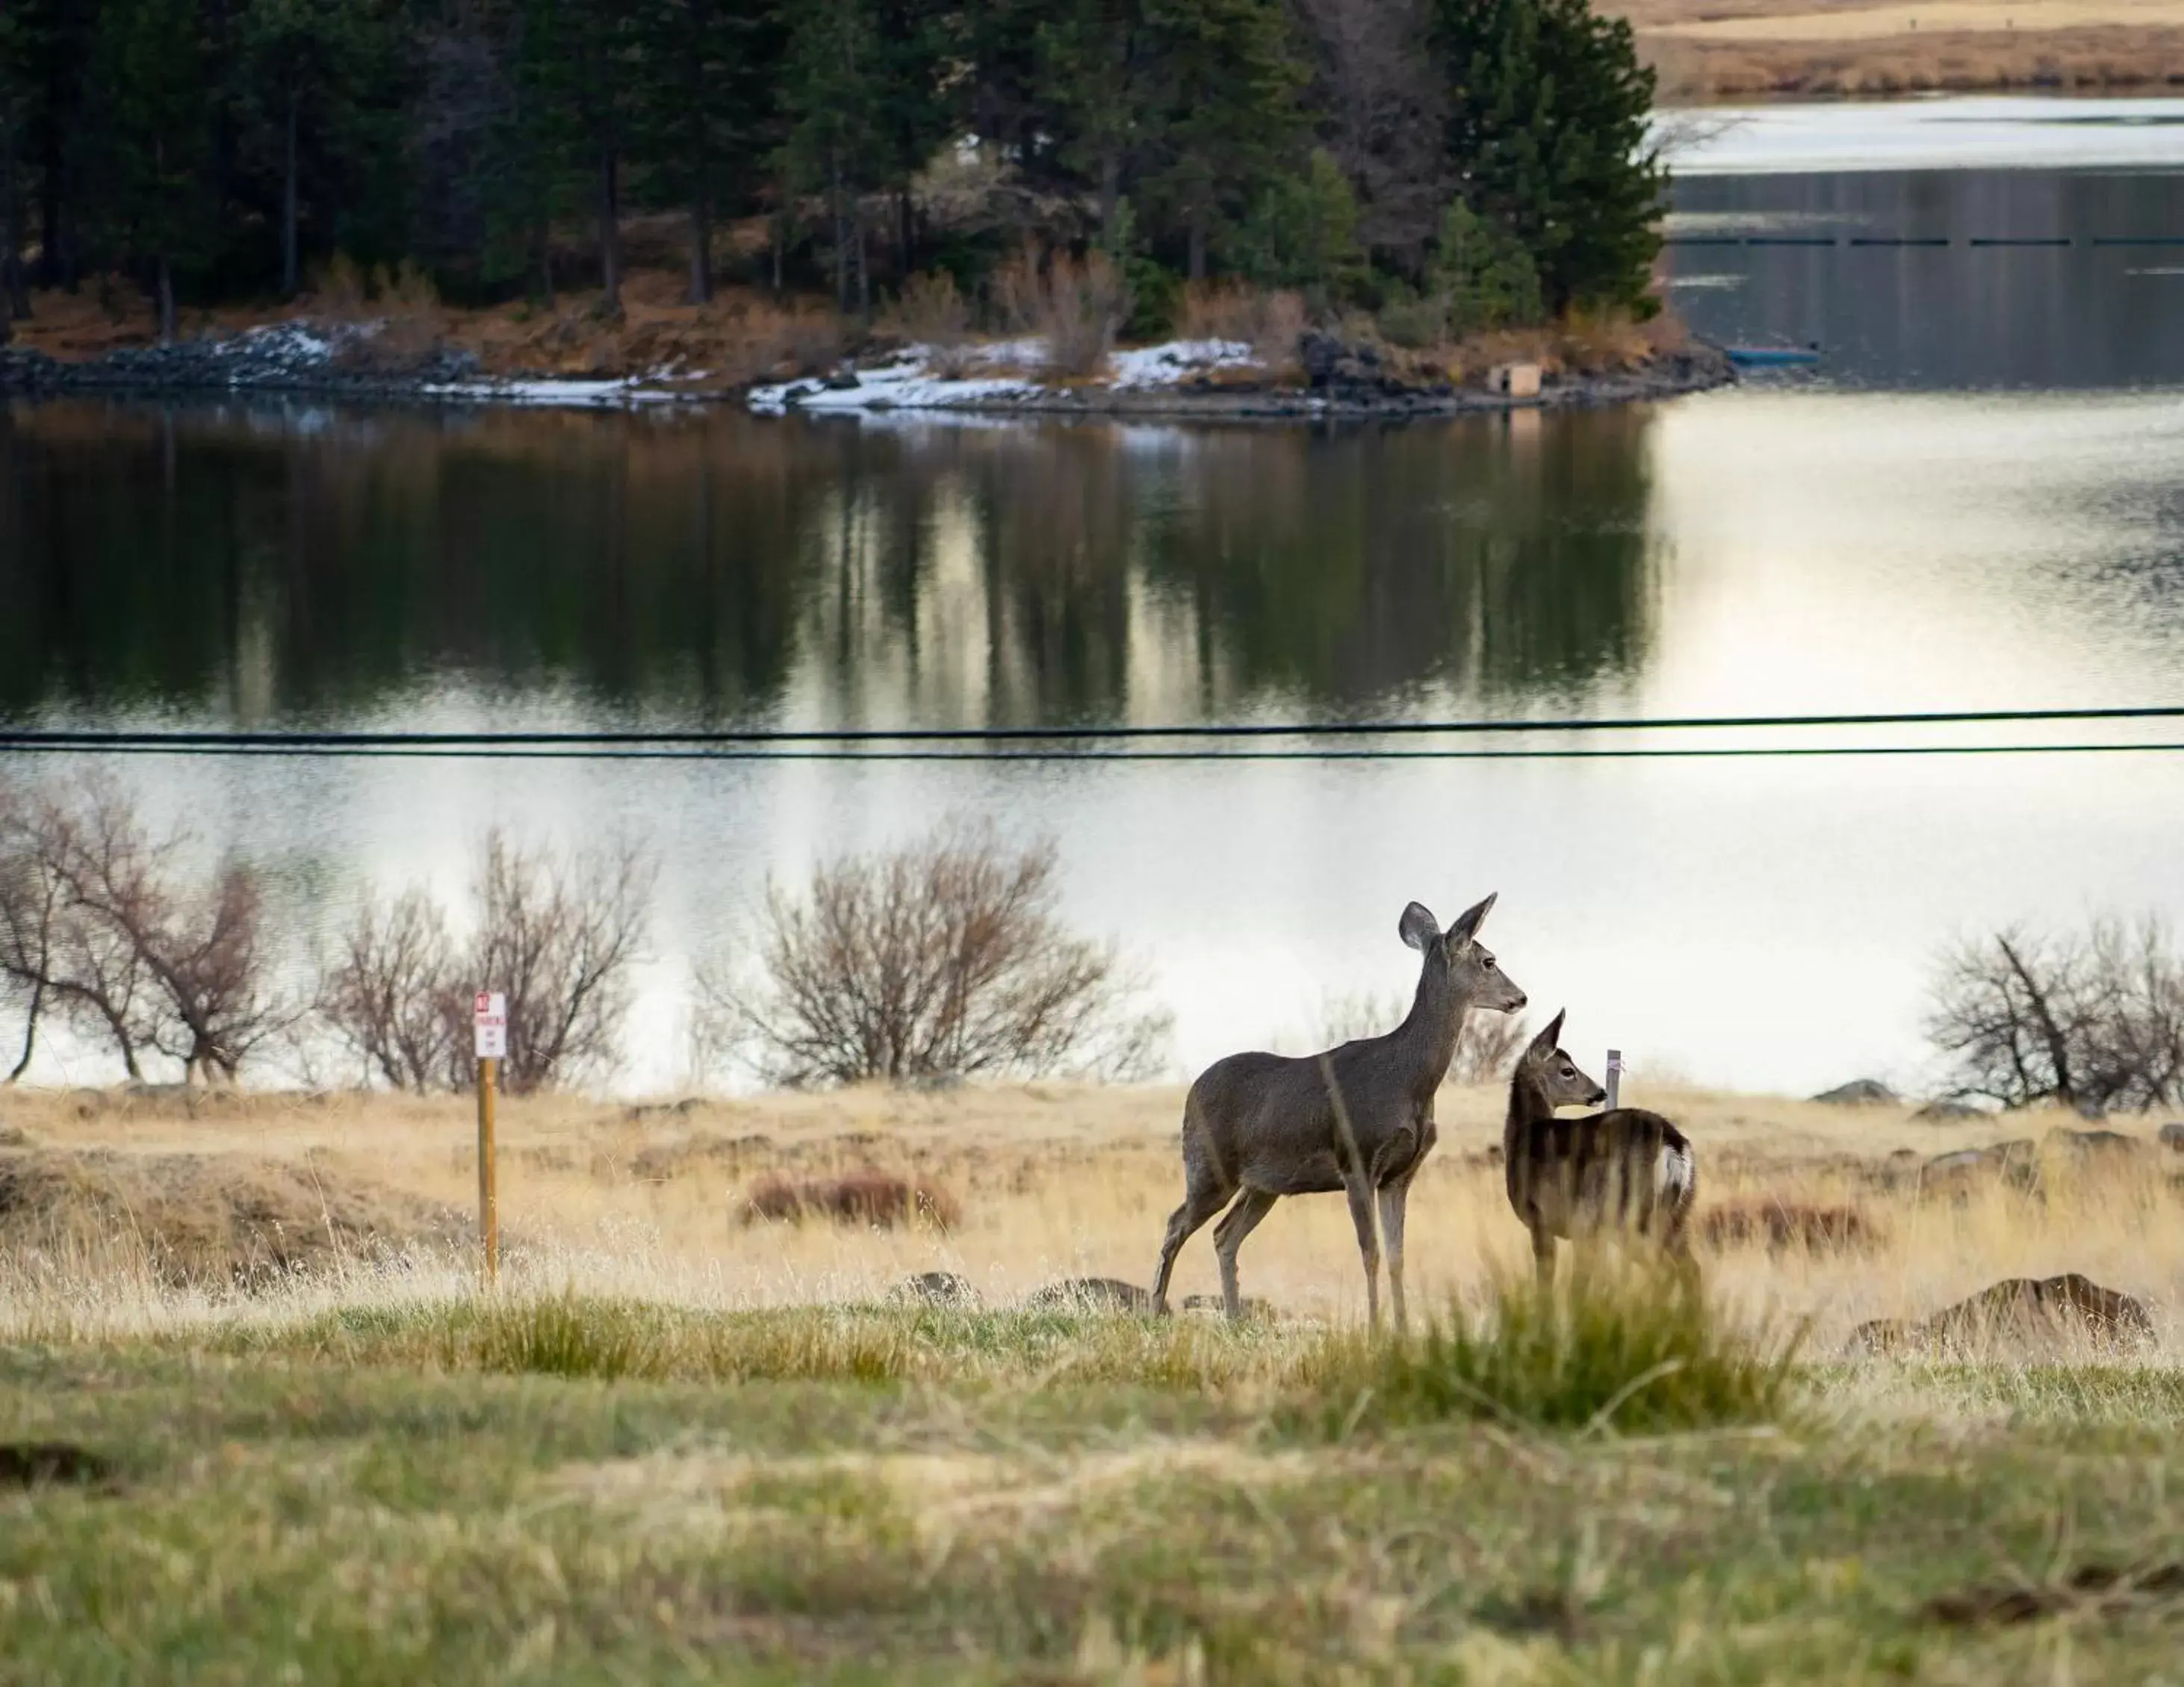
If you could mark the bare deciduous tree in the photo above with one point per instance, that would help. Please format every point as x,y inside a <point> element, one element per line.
<point>945,958</point>
<point>559,937</point>
<point>1485,1049</point>
<point>2091,1019</point>
<point>31,922</point>
<point>97,924</point>
<point>393,998</point>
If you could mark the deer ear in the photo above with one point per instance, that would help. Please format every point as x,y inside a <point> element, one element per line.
<point>1419,926</point>
<point>1548,1039</point>
<point>1469,921</point>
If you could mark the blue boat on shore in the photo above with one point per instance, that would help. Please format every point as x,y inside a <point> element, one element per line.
<point>1771,357</point>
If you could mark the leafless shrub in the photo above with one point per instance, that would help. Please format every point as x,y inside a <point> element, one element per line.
<point>1076,307</point>
<point>2091,1019</point>
<point>99,923</point>
<point>1270,323</point>
<point>930,313</point>
<point>32,908</point>
<point>559,937</point>
<point>1485,1049</point>
<point>871,1199</point>
<point>945,958</point>
<point>394,997</point>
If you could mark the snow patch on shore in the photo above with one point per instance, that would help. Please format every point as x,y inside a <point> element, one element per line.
<point>925,378</point>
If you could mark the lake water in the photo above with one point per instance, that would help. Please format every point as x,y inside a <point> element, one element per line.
<point>1979,503</point>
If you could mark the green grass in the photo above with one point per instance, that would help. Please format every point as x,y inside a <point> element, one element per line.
<point>576,1490</point>
<point>1616,1354</point>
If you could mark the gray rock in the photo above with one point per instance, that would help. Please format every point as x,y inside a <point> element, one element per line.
<point>2104,1144</point>
<point>1091,1295</point>
<point>2016,1162</point>
<point>1947,1111</point>
<point>1859,1092</point>
<point>2032,1316</point>
<point>937,1288</point>
<point>2172,1135</point>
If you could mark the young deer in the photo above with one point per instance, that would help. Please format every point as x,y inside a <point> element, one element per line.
<point>1359,1118</point>
<point>1628,1171</point>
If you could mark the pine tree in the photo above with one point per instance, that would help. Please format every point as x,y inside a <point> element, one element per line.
<point>578,79</point>
<point>306,62</point>
<point>153,139</point>
<point>704,110</point>
<point>1093,90</point>
<point>834,95</point>
<point>14,111</point>
<point>1225,117</point>
<point>1546,134</point>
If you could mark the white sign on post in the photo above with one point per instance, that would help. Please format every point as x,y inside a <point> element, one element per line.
<point>490,1019</point>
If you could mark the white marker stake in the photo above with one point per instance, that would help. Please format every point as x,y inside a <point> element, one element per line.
<point>489,1023</point>
<point>1614,1077</point>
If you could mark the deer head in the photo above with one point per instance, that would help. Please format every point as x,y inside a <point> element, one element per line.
<point>1456,957</point>
<point>1554,1075</point>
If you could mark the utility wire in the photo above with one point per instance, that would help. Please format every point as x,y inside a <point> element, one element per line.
<point>593,753</point>
<point>752,739</point>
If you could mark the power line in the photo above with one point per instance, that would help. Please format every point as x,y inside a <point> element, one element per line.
<point>751,738</point>
<point>593,753</point>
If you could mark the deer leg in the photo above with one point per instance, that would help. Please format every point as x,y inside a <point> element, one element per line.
<point>1200,1201</point>
<point>1543,1257</point>
<point>1394,1198</point>
<point>1239,1221</point>
<point>1369,1243</point>
<point>1676,1248</point>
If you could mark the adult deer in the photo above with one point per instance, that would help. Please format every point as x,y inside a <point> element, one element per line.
<point>1625,1172</point>
<point>1359,1118</point>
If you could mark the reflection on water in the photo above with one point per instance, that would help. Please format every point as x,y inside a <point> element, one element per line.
<point>1873,541</point>
<point>1952,317</point>
<point>220,564</point>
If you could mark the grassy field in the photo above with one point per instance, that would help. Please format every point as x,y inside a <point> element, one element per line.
<point>1710,49</point>
<point>678,1446</point>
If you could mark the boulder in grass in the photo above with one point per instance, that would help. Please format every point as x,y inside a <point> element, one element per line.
<point>2109,1147</point>
<point>1947,1110</point>
<point>935,1289</point>
<point>2031,1315</point>
<point>1859,1092</point>
<point>1959,1174</point>
<point>2172,1135</point>
<point>1090,1294</point>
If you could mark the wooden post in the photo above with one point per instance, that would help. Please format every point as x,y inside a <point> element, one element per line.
<point>488,1189</point>
<point>489,1019</point>
<point>1615,1077</point>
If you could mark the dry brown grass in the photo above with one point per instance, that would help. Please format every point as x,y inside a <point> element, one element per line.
<point>1270,323</point>
<point>1059,1181</point>
<point>1716,49</point>
<point>742,337</point>
<point>865,1199</point>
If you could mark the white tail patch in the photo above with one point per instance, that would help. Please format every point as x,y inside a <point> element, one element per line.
<point>1672,1172</point>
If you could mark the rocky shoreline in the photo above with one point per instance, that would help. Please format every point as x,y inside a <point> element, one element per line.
<point>1343,382</point>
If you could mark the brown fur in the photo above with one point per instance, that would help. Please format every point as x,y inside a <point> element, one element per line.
<point>1572,1179</point>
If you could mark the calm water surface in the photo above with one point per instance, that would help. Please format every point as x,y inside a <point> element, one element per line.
<point>1982,505</point>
